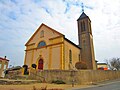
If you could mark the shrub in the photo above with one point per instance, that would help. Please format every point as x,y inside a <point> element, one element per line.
<point>81,65</point>
<point>58,82</point>
<point>25,66</point>
<point>34,66</point>
<point>26,72</point>
<point>42,88</point>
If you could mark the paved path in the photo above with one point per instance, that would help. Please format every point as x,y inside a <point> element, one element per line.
<point>109,86</point>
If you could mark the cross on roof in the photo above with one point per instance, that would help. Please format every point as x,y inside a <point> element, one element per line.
<point>82,7</point>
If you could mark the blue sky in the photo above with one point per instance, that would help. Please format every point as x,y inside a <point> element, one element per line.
<point>20,18</point>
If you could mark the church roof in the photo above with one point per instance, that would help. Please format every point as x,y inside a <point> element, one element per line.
<point>54,31</point>
<point>83,15</point>
<point>38,30</point>
<point>71,43</point>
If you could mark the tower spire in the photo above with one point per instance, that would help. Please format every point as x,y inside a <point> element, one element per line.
<point>85,38</point>
<point>82,7</point>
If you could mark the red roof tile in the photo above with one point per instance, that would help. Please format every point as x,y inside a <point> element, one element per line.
<point>3,59</point>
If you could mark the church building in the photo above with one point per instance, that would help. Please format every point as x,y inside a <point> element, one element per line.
<point>50,49</point>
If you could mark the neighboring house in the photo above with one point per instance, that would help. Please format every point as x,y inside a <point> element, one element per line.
<point>102,66</point>
<point>3,65</point>
<point>50,49</point>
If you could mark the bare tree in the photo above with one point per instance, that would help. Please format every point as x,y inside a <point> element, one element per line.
<point>114,63</point>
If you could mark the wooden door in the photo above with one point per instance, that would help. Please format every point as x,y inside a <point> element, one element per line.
<point>40,64</point>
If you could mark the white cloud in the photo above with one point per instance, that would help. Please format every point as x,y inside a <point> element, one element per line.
<point>20,19</point>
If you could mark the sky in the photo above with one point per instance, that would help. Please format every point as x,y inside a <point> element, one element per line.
<point>19,19</point>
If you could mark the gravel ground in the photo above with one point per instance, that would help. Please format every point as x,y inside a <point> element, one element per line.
<point>39,86</point>
<point>34,85</point>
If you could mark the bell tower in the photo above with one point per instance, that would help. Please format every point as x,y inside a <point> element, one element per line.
<point>85,38</point>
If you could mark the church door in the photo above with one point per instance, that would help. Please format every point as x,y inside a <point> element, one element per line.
<point>40,64</point>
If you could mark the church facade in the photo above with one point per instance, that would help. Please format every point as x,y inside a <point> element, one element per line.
<point>50,49</point>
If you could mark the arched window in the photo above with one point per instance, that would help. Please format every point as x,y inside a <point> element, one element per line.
<point>41,44</point>
<point>42,33</point>
<point>79,57</point>
<point>83,28</point>
<point>84,44</point>
<point>70,56</point>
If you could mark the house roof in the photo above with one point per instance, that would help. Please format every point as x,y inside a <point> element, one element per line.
<point>3,59</point>
<point>38,30</point>
<point>14,68</point>
<point>101,64</point>
<point>82,16</point>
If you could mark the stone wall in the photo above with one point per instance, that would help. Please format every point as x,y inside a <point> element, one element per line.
<point>79,77</point>
<point>14,74</point>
